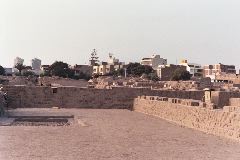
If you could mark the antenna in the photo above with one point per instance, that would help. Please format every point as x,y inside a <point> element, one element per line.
<point>94,58</point>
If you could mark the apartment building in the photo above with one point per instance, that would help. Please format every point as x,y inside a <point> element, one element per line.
<point>154,61</point>
<point>194,69</point>
<point>210,70</point>
<point>105,68</point>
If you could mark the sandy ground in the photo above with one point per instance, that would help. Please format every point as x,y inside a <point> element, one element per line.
<point>110,134</point>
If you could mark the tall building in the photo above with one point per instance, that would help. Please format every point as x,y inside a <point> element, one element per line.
<point>86,69</point>
<point>154,61</point>
<point>210,70</point>
<point>220,72</point>
<point>194,69</point>
<point>105,68</point>
<point>18,60</point>
<point>36,64</point>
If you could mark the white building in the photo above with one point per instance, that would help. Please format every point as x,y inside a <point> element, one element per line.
<point>18,60</point>
<point>112,60</point>
<point>108,67</point>
<point>154,61</point>
<point>193,68</point>
<point>36,64</point>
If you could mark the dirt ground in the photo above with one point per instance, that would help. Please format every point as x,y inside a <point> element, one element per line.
<point>111,135</point>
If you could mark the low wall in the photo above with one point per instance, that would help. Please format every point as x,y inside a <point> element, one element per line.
<point>234,101</point>
<point>221,98</point>
<point>221,122</point>
<point>72,97</point>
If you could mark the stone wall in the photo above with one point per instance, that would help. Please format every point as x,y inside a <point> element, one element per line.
<point>24,96</point>
<point>221,122</point>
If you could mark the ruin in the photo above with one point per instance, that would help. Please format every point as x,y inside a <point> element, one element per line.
<point>123,116</point>
<point>208,111</point>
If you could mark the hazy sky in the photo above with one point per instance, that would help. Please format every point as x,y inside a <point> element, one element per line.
<point>203,31</point>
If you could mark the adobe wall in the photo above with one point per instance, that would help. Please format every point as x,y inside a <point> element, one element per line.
<point>234,101</point>
<point>72,97</point>
<point>221,99</point>
<point>46,81</point>
<point>221,122</point>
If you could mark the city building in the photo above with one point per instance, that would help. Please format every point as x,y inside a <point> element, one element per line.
<point>36,64</point>
<point>105,68</point>
<point>86,69</point>
<point>165,72</point>
<point>18,60</point>
<point>112,60</point>
<point>220,72</point>
<point>154,61</point>
<point>210,70</point>
<point>194,69</point>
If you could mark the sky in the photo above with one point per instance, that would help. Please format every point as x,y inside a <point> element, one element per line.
<point>202,31</point>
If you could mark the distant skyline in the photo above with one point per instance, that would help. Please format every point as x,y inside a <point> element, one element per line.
<point>202,31</point>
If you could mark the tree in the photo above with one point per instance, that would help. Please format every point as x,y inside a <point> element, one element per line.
<point>20,67</point>
<point>153,76</point>
<point>119,72</point>
<point>28,73</point>
<point>2,70</point>
<point>61,69</point>
<point>136,69</point>
<point>180,74</point>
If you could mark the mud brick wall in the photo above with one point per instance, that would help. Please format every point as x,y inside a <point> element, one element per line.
<point>72,97</point>
<point>221,122</point>
<point>221,99</point>
<point>234,101</point>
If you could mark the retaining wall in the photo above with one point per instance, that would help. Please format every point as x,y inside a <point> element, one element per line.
<point>72,97</point>
<point>222,98</point>
<point>221,122</point>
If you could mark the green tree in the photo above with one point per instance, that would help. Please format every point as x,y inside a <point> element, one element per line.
<point>136,69</point>
<point>119,72</point>
<point>28,73</point>
<point>153,76</point>
<point>20,67</point>
<point>61,69</point>
<point>2,70</point>
<point>180,74</point>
